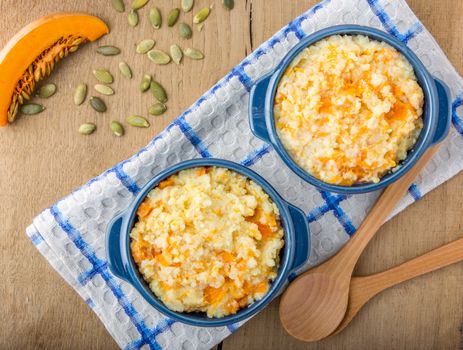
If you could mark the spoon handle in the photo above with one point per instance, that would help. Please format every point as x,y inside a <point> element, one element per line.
<point>364,288</point>
<point>350,253</point>
<point>446,255</point>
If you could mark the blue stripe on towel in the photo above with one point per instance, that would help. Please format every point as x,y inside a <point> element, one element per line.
<point>191,135</point>
<point>333,204</point>
<point>88,252</point>
<point>36,238</point>
<point>126,179</point>
<point>318,212</point>
<point>255,155</point>
<point>88,275</point>
<point>415,29</point>
<point>90,303</point>
<point>388,24</point>
<point>296,25</point>
<point>233,327</point>
<point>456,119</point>
<point>239,72</point>
<point>164,325</point>
<point>415,192</point>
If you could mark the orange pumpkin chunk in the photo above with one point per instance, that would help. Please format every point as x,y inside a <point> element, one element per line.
<point>162,260</point>
<point>32,53</point>
<point>214,295</point>
<point>144,209</point>
<point>265,231</point>
<point>261,287</point>
<point>166,183</point>
<point>201,171</point>
<point>227,257</point>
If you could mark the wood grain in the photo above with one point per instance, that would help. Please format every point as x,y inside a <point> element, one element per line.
<point>41,155</point>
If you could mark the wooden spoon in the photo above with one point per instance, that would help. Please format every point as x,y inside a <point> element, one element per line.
<point>314,305</point>
<point>362,289</point>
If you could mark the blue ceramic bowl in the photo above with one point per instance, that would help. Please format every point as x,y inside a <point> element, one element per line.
<point>436,116</point>
<point>293,255</point>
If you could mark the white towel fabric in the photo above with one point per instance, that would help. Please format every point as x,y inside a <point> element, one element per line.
<point>71,234</point>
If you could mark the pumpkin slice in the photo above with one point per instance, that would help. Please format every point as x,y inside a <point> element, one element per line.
<point>32,53</point>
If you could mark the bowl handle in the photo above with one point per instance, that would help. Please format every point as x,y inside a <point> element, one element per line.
<point>257,108</point>
<point>302,241</point>
<point>114,248</point>
<point>443,122</point>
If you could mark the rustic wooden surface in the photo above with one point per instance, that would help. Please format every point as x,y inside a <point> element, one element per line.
<point>44,158</point>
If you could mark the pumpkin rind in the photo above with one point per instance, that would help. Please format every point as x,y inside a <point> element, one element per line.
<point>31,54</point>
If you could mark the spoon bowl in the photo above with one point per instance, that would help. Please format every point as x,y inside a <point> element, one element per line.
<point>327,296</point>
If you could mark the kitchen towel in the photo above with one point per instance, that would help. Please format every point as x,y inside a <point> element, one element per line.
<point>71,234</point>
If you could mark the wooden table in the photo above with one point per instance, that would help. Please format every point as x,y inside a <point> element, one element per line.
<point>43,159</point>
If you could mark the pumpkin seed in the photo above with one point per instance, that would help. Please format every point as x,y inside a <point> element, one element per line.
<point>145,45</point>
<point>46,91</point>
<point>158,56</point>
<point>116,128</point>
<point>172,17</point>
<point>184,30</point>
<point>137,121</point>
<point>194,54</point>
<point>80,94</point>
<point>229,4</point>
<point>87,128</point>
<point>108,50</point>
<point>145,83</point>
<point>97,104</point>
<point>187,5</point>
<point>176,54</point>
<point>158,91</point>
<point>103,76</point>
<point>118,5</point>
<point>157,109</point>
<point>32,108</point>
<point>12,111</point>
<point>132,18</point>
<point>22,96</point>
<point>138,4</point>
<point>125,70</point>
<point>155,18</point>
<point>104,89</point>
<point>201,15</point>
<point>25,95</point>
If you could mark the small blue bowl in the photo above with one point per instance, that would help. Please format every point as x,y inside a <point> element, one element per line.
<point>293,255</point>
<point>436,116</point>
